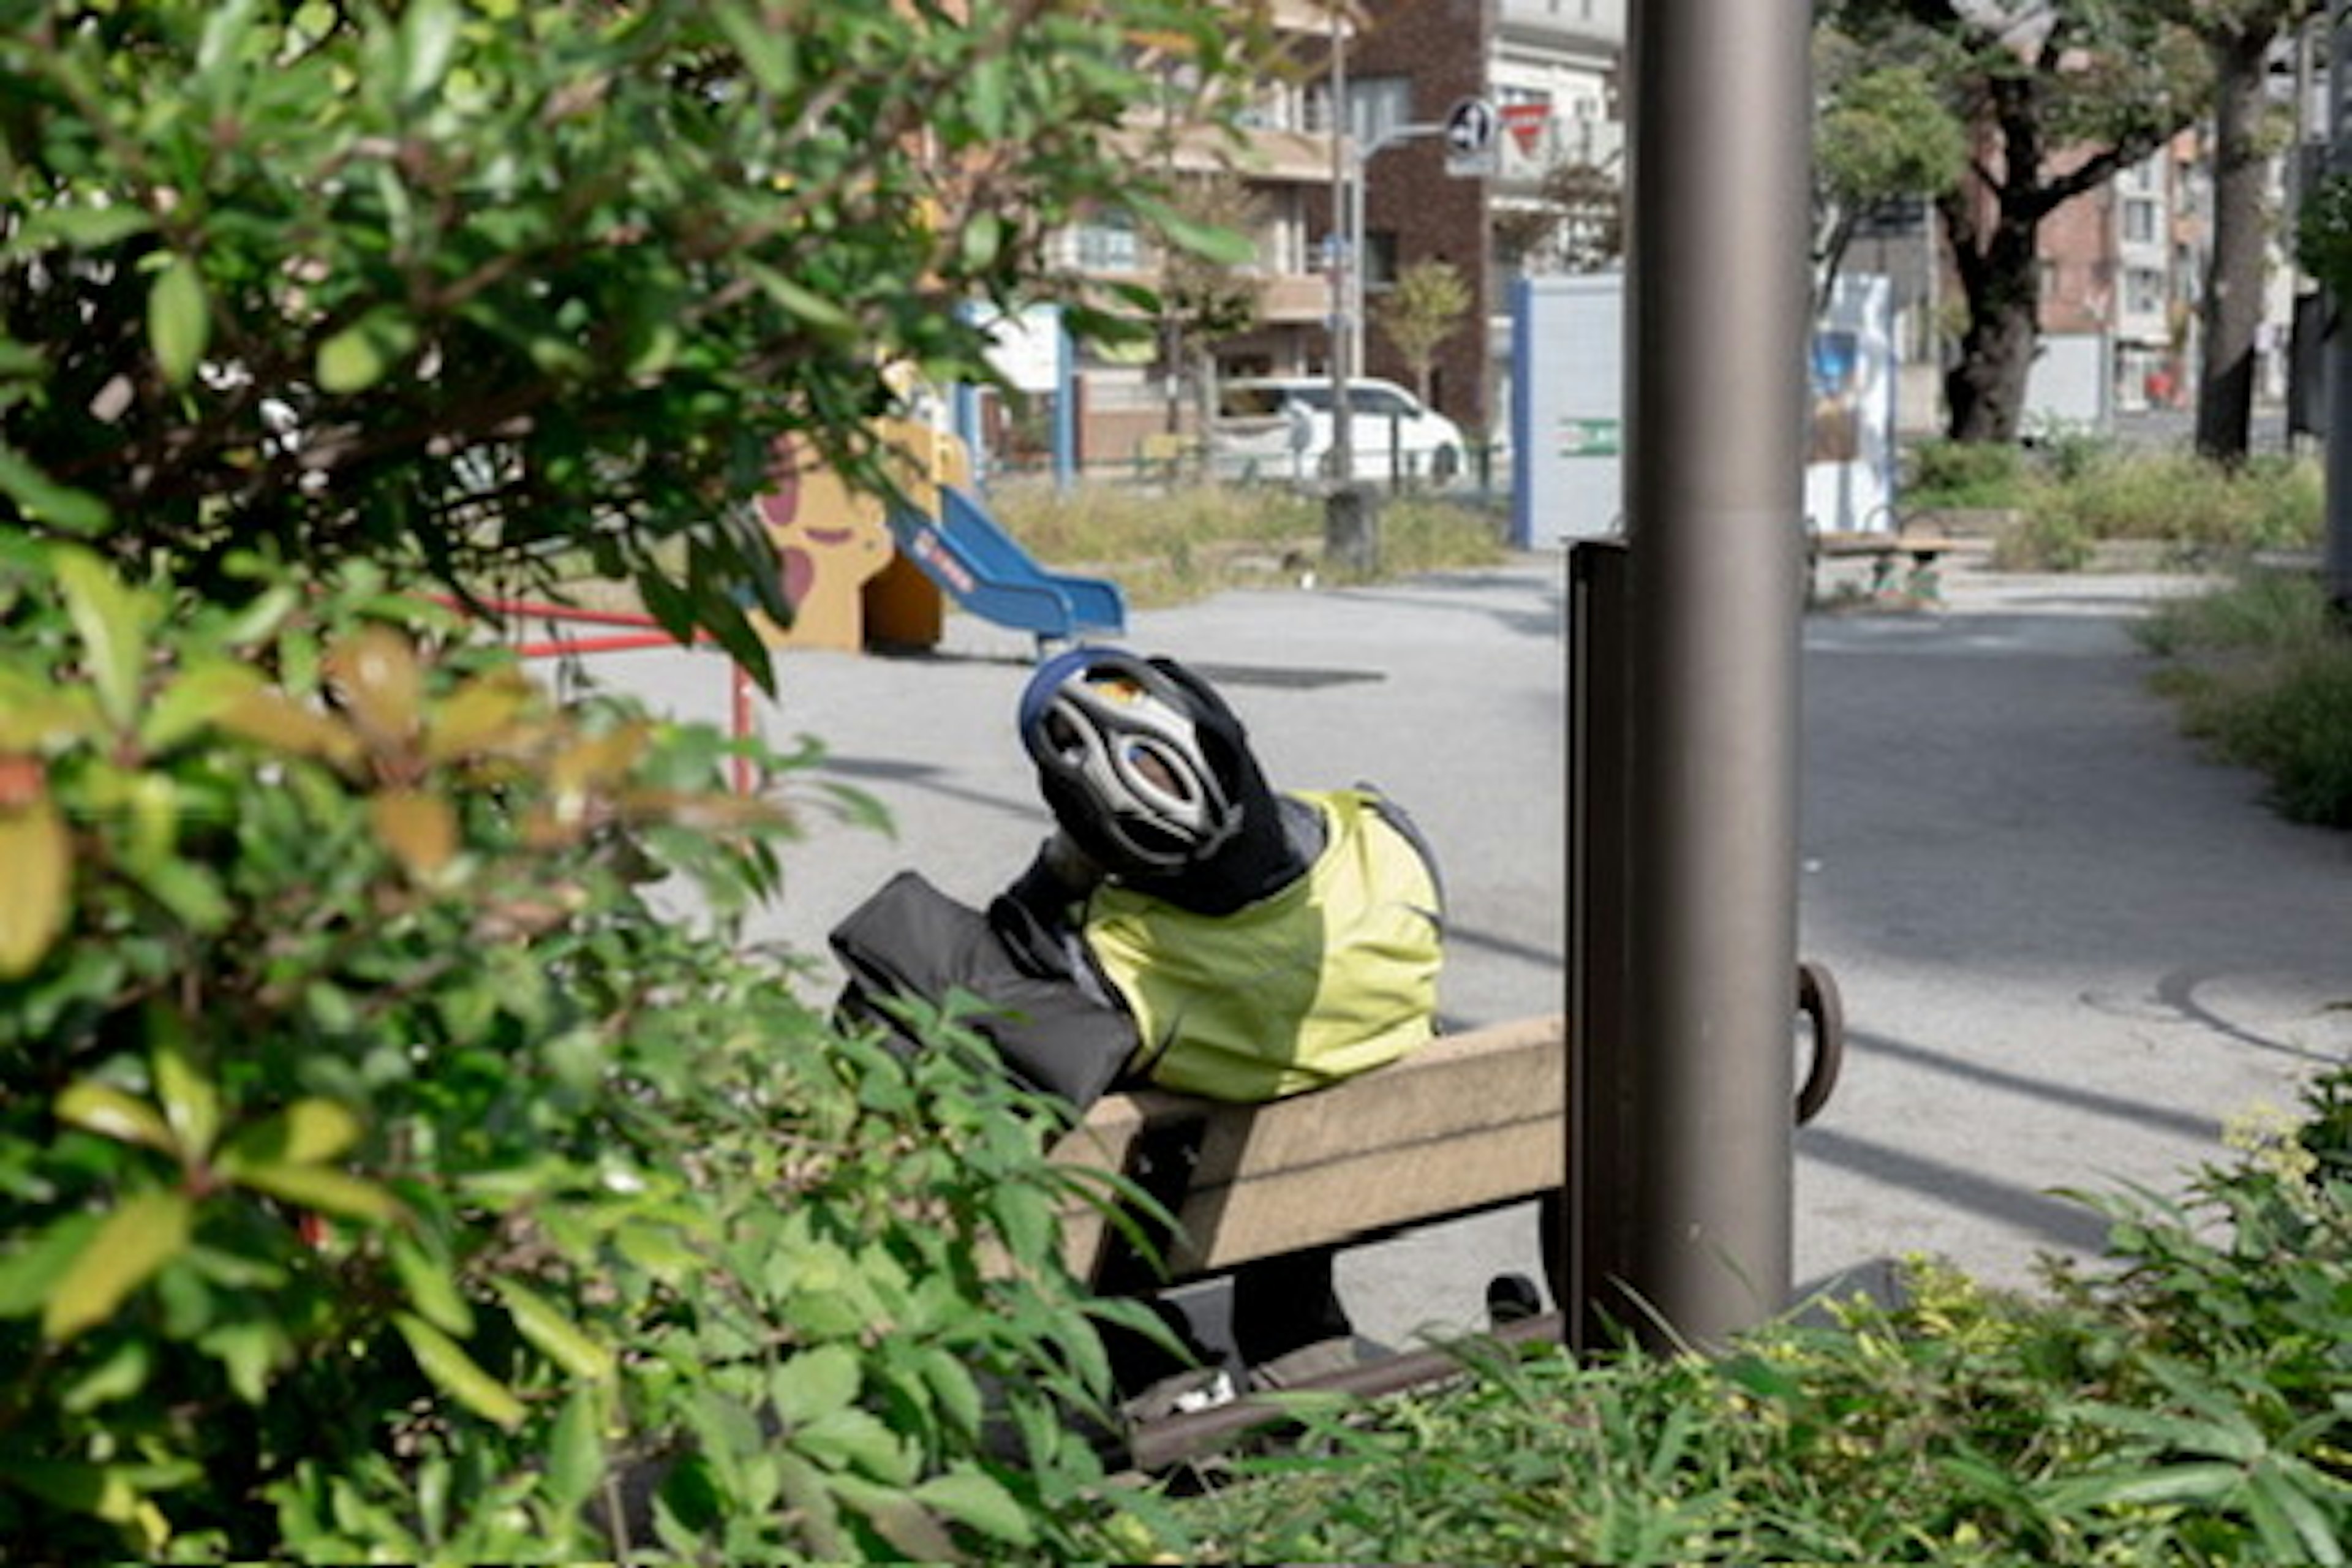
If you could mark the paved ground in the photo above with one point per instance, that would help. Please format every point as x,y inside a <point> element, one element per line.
<point>2069,948</point>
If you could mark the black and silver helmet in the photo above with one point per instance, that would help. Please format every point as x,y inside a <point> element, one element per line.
<point>1137,761</point>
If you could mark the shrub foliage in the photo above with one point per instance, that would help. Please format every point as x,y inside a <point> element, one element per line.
<point>385,1174</point>
<point>448,280</point>
<point>2185,1402</point>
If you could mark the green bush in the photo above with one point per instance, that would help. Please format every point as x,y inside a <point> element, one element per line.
<point>1944,473</point>
<point>2203,511</point>
<point>461,284</point>
<point>387,1174</point>
<point>2186,1402</point>
<point>2262,674</point>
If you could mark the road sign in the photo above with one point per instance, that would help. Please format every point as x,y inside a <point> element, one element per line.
<point>1470,138</point>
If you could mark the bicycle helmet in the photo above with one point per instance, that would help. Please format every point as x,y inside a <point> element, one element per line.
<point>1138,761</point>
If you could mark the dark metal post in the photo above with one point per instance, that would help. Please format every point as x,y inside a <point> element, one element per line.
<point>1593,1231</point>
<point>1716,318</point>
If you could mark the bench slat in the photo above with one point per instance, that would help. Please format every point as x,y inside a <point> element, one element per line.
<point>1466,1123</point>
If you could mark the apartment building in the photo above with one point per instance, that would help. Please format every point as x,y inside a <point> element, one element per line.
<point>1548,65</point>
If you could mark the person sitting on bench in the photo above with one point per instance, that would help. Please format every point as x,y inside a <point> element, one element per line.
<point>1188,926</point>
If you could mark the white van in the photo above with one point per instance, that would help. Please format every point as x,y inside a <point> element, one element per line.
<point>1279,429</point>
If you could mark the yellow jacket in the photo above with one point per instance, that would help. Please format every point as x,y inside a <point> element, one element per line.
<point>1332,975</point>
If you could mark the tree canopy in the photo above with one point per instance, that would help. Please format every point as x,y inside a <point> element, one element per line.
<point>2058,97</point>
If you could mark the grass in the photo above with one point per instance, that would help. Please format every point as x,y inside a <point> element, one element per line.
<point>2074,495</point>
<point>2262,671</point>
<point>1166,547</point>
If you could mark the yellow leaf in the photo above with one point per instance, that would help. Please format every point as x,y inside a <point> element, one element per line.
<point>320,1187</point>
<point>309,1130</point>
<point>136,1240</point>
<point>420,829</point>
<point>375,670</point>
<point>478,713</point>
<point>37,852</point>
<point>269,719</point>
<point>110,1113</point>
<point>598,760</point>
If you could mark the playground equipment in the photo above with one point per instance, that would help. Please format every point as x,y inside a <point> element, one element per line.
<point>859,572</point>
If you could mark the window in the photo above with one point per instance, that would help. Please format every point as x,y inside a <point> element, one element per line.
<point>1109,244</point>
<point>1378,105</point>
<point>1379,259</point>
<point>2139,220</point>
<point>2143,290</point>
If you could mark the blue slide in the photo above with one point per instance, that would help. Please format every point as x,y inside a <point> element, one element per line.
<point>985,570</point>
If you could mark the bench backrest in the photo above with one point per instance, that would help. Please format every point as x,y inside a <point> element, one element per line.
<point>1467,1123</point>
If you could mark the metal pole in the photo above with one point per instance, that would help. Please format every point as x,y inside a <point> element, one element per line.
<point>1343,262</point>
<point>2338,414</point>
<point>1717,308</point>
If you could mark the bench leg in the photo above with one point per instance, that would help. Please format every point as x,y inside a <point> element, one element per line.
<point>1924,586</point>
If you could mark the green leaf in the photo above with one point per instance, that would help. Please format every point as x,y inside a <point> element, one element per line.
<point>2175,1483</point>
<point>2309,1533</point>
<point>193,700</point>
<point>457,1375</point>
<point>816,1382</point>
<point>768,52</point>
<point>134,1241</point>
<point>319,1188</point>
<point>575,1451</point>
<point>29,1273</point>
<point>102,1491</point>
<point>982,239</point>
<point>855,1439</point>
<point>361,354</point>
<point>555,1335</point>
<point>107,1111</point>
<point>952,1384</point>
<point>179,320</point>
<point>45,500</point>
<point>117,1375</point>
<point>225,33</point>
<point>80,228</point>
<point>190,1101</point>
<point>429,34</point>
<point>431,1285</point>
<point>1212,243</point>
<point>972,1497</point>
<point>111,622</point>
<point>306,1133</point>
<point>248,1351</point>
<point>811,307</point>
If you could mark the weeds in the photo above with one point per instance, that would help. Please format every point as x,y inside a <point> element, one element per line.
<point>2074,494</point>
<point>1167,547</point>
<point>2187,1401</point>
<point>2262,671</point>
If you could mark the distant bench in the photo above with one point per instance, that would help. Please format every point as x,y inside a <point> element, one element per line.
<point>1924,546</point>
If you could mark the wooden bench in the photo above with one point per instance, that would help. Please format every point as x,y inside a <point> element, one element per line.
<point>1469,1121</point>
<point>1924,547</point>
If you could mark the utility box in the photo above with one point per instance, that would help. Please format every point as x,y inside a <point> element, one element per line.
<point>1568,388</point>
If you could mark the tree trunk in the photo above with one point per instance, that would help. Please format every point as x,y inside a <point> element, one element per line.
<point>1984,392</point>
<point>2232,306</point>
